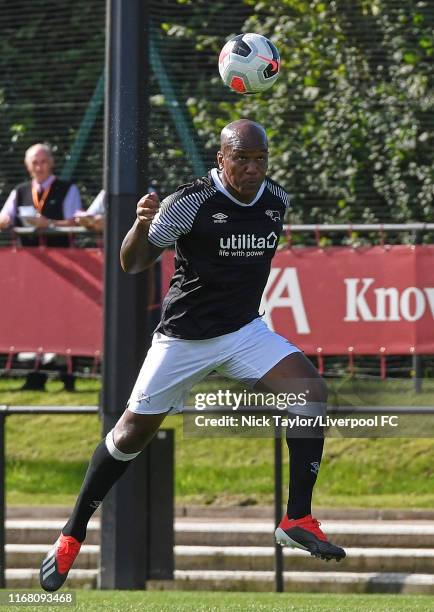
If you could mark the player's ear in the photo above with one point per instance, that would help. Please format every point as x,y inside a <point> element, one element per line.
<point>220,160</point>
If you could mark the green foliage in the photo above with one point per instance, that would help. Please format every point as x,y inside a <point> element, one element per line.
<point>350,119</point>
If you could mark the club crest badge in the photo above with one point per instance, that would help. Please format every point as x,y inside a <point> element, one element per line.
<point>273,214</point>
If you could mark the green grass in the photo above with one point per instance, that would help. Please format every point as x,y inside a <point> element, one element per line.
<point>87,393</point>
<point>184,601</point>
<point>47,457</point>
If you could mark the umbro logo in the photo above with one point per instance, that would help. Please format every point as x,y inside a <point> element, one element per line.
<point>273,214</point>
<point>219,218</point>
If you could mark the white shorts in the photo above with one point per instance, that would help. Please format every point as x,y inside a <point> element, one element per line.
<point>173,366</point>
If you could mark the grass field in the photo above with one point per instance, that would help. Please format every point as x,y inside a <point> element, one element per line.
<point>129,601</point>
<point>47,456</point>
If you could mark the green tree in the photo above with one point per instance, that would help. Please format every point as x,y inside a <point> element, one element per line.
<point>350,119</point>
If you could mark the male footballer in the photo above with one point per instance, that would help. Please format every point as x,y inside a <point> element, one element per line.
<point>225,228</point>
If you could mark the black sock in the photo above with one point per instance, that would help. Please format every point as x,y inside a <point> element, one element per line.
<point>305,459</point>
<point>103,471</point>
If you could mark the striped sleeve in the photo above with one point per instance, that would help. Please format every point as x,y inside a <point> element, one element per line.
<point>279,192</point>
<point>176,216</point>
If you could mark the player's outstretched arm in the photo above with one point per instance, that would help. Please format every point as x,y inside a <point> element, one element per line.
<point>137,253</point>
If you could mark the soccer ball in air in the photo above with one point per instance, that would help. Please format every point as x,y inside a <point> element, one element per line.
<point>249,63</point>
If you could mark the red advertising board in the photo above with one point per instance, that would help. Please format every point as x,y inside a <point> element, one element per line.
<point>369,300</point>
<point>51,299</point>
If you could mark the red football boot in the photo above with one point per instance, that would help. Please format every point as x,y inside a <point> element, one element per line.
<point>58,562</point>
<point>305,533</point>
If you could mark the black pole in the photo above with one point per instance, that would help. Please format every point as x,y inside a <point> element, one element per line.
<point>278,551</point>
<point>417,364</point>
<point>2,498</point>
<point>161,515</point>
<point>418,373</point>
<point>124,513</point>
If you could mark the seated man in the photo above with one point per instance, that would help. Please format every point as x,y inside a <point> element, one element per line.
<point>55,202</point>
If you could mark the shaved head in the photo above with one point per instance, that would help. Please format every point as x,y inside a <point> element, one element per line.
<point>243,158</point>
<point>243,132</point>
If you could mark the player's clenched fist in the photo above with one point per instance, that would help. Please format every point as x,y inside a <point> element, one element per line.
<point>147,208</point>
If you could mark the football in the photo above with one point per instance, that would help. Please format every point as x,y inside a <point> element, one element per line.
<point>249,63</point>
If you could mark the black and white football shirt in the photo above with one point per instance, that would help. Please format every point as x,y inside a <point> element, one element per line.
<point>223,252</point>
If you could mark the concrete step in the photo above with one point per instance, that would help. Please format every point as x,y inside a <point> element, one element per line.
<point>196,532</point>
<point>250,558</point>
<point>368,534</point>
<point>239,513</point>
<point>26,578</point>
<point>40,531</point>
<point>313,582</point>
<point>261,558</point>
<point>18,556</point>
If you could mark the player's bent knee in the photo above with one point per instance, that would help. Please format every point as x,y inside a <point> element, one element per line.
<point>115,452</point>
<point>133,432</point>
